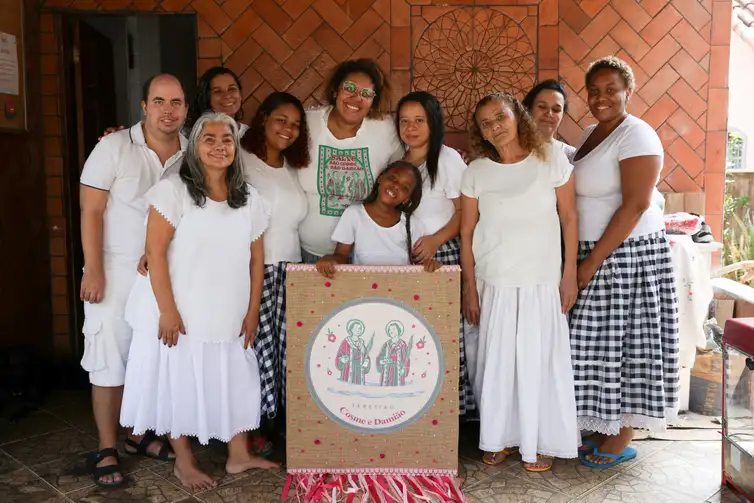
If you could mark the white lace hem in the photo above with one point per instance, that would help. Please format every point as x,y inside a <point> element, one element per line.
<point>203,439</point>
<point>540,452</point>
<point>264,217</point>
<point>637,421</point>
<point>165,216</point>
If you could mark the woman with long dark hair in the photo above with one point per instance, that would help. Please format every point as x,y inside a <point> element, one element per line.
<point>421,128</point>
<point>547,102</point>
<point>274,147</point>
<point>352,141</point>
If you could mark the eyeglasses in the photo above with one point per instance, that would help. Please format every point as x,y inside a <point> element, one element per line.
<point>352,88</point>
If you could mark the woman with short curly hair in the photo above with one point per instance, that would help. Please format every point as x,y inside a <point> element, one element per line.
<point>624,326</point>
<point>515,196</point>
<point>352,141</point>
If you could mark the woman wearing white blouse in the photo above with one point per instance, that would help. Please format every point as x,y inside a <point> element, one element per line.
<point>352,141</point>
<point>190,372</point>
<point>420,124</point>
<point>624,326</point>
<point>275,145</point>
<point>515,288</point>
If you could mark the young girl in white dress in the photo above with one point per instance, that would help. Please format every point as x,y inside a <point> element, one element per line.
<point>190,371</point>
<point>381,231</point>
<point>274,147</point>
<point>513,287</point>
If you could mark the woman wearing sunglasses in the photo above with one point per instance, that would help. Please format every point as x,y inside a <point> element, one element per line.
<point>352,140</point>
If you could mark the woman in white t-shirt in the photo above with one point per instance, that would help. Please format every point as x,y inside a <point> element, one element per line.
<point>624,326</point>
<point>190,370</point>
<point>381,231</point>
<point>515,197</point>
<point>420,124</point>
<point>352,140</point>
<point>274,147</point>
<point>547,102</point>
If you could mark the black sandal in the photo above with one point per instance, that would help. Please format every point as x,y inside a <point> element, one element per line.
<point>141,447</point>
<point>100,471</point>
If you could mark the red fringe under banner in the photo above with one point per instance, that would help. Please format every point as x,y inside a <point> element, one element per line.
<point>371,488</point>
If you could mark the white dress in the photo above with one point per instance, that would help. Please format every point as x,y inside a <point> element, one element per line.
<point>207,385</point>
<point>520,356</point>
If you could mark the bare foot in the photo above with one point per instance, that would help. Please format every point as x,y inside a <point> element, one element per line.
<point>242,463</point>
<point>613,444</point>
<point>542,464</point>
<point>597,438</point>
<point>494,458</point>
<point>192,477</point>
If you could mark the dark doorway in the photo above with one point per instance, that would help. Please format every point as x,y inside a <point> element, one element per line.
<point>107,58</point>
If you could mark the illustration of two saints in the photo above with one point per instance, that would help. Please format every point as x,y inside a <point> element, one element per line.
<point>393,361</point>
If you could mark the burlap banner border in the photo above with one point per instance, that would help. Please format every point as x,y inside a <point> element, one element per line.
<point>372,371</point>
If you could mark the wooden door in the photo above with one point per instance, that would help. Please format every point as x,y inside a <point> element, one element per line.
<point>90,108</point>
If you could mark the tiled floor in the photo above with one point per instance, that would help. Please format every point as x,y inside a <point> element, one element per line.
<point>42,460</point>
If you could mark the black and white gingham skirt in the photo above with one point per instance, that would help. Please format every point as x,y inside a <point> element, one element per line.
<point>624,339</point>
<point>450,254</point>
<point>269,344</point>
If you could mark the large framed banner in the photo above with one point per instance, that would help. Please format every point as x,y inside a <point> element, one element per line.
<point>372,384</point>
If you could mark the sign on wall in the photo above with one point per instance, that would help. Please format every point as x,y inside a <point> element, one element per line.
<point>12,85</point>
<point>372,381</point>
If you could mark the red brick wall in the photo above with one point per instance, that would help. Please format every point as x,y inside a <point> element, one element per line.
<point>678,49</point>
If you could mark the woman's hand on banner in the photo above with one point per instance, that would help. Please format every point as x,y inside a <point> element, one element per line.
<point>431,265</point>
<point>326,266</point>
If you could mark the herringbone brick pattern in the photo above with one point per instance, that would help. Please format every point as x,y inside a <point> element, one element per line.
<point>679,50</point>
<point>457,49</point>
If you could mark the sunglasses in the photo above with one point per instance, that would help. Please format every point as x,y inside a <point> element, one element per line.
<point>352,88</point>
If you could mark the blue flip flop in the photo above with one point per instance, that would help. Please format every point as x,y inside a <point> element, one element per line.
<point>593,445</point>
<point>628,454</point>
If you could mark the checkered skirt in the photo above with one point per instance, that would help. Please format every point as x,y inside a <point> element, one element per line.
<point>269,343</point>
<point>450,254</point>
<point>624,339</point>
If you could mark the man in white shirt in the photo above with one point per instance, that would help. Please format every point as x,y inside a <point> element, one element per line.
<point>117,174</point>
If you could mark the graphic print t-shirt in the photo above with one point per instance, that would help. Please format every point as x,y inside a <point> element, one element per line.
<point>342,172</point>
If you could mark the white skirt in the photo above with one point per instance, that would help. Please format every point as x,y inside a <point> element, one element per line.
<point>199,389</point>
<point>522,374</point>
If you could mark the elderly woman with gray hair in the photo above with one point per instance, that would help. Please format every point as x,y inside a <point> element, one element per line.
<point>191,368</point>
